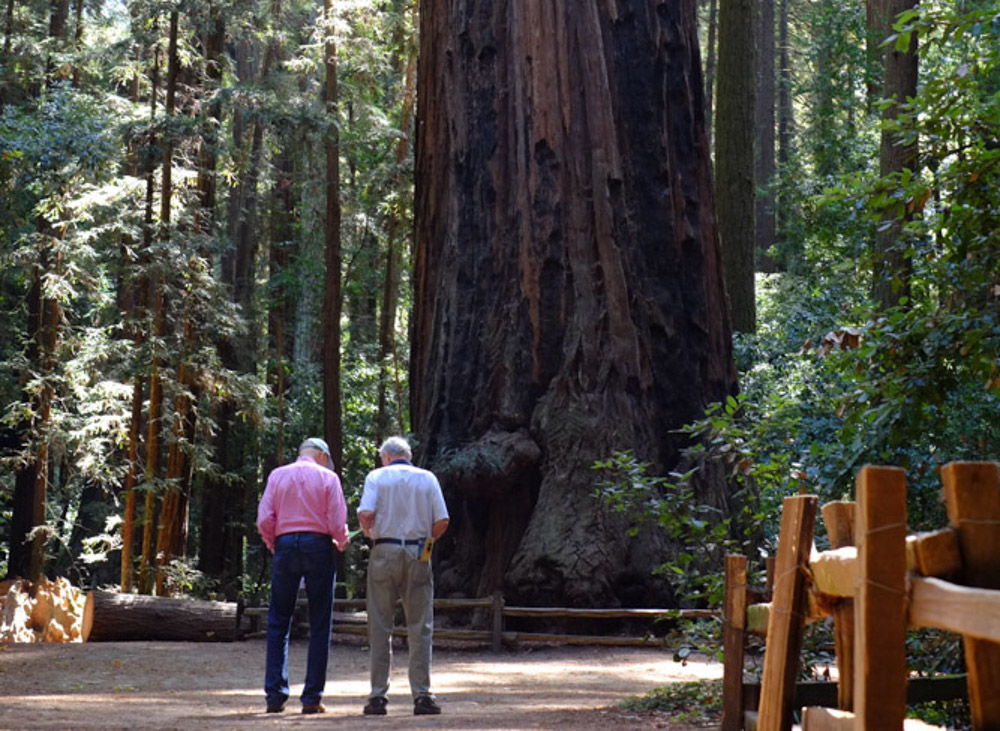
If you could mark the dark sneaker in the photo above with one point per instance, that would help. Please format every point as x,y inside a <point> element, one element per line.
<point>425,706</point>
<point>376,706</point>
<point>313,708</point>
<point>275,707</point>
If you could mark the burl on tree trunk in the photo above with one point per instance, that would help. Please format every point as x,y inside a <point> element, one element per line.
<point>569,299</point>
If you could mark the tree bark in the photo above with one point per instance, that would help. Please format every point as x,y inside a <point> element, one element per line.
<point>786,119</point>
<point>332,299</point>
<point>735,185</point>
<point>390,290</point>
<point>713,7</point>
<point>22,514</point>
<point>110,617</point>
<point>569,298</point>
<point>155,297</point>
<point>892,268</point>
<point>172,512</point>
<point>765,213</point>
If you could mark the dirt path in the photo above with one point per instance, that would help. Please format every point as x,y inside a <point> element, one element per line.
<point>162,685</point>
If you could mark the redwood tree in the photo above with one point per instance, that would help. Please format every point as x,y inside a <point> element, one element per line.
<point>569,298</point>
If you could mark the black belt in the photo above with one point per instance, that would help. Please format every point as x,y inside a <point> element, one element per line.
<point>400,541</point>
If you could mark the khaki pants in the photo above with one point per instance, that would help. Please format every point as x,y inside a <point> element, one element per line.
<point>396,572</point>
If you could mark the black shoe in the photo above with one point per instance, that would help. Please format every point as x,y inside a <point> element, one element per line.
<point>425,706</point>
<point>313,708</point>
<point>275,707</point>
<point>376,706</point>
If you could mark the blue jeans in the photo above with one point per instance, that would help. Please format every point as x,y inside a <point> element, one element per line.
<point>297,556</point>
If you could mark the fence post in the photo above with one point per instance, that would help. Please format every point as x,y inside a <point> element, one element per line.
<point>972,495</point>
<point>839,519</point>
<point>497,618</point>
<point>880,599</point>
<point>734,624</point>
<point>787,617</point>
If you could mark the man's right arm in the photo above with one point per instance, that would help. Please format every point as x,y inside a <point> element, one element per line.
<point>266,518</point>
<point>367,520</point>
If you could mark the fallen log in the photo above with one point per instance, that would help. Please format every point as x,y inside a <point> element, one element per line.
<point>111,617</point>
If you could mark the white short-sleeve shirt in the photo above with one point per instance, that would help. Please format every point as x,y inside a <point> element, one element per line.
<point>406,500</point>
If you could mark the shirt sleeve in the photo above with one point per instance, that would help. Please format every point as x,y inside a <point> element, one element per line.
<point>337,514</point>
<point>440,508</point>
<point>266,517</point>
<point>369,496</point>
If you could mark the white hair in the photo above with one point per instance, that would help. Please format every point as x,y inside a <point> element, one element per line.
<point>396,447</point>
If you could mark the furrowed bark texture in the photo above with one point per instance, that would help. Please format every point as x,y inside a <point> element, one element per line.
<point>569,298</point>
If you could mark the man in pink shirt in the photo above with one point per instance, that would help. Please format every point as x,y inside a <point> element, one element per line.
<point>301,517</point>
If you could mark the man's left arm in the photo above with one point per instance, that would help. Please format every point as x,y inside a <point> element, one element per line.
<point>337,515</point>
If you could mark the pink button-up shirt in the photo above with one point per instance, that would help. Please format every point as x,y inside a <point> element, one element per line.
<point>302,497</point>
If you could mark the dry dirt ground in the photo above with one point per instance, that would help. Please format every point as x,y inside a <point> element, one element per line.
<point>173,685</point>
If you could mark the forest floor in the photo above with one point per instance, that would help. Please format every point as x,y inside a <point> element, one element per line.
<point>179,685</point>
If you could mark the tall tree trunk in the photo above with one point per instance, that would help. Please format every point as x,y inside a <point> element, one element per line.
<point>22,508</point>
<point>51,319</point>
<point>283,253</point>
<point>786,120</point>
<point>171,512</point>
<point>8,30</point>
<point>892,268</point>
<point>390,290</point>
<point>765,210</point>
<point>735,187</point>
<point>78,43</point>
<point>155,296</point>
<point>132,304</point>
<point>569,298</point>
<point>332,299</point>
<point>713,15</point>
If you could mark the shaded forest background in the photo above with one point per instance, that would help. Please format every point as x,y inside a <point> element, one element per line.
<point>211,248</point>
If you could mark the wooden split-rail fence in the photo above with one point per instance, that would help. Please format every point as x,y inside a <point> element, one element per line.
<point>876,582</point>
<point>354,621</point>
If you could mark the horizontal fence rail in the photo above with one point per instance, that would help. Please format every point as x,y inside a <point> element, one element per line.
<point>356,623</point>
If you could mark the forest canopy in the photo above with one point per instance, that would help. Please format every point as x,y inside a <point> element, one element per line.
<point>209,243</point>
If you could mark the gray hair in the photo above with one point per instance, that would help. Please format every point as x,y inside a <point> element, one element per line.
<point>396,447</point>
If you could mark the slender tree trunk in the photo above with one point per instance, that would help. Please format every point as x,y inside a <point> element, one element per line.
<point>51,318</point>
<point>58,19</point>
<point>283,252</point>
<point>8,30</point>
<point>22,508</point>
<point>155,294</point>
<point>786,120</point>
<point>78,42</point>
<point>713,6</point>
<point>390,289</point>
<point>735,186</point>
<point>569,298</point>
<point>765,210</point>
<point>332,299</point>
<point>170,512</point>
<point>133,306</point>
<point>892,268</point>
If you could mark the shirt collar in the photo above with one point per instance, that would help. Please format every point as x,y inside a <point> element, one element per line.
<point>401,461</point>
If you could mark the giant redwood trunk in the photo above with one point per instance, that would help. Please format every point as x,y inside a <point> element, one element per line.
<point>569,298</point>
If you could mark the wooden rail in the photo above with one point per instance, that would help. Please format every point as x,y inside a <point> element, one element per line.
<point>355,622</point>
<point>887,582</point>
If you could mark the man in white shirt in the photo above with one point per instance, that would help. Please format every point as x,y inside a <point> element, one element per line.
<point>403,512</point>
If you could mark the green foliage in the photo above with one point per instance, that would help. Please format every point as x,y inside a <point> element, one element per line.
<point>698,702</point>
<point>699,531</point>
